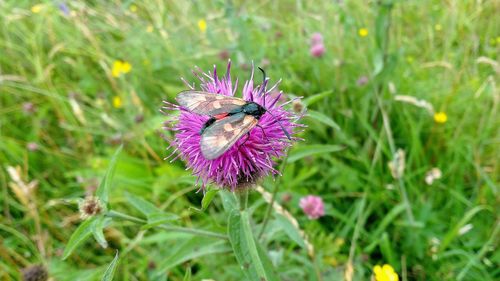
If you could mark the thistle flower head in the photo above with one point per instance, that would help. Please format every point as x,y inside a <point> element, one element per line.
<point>253,155</point>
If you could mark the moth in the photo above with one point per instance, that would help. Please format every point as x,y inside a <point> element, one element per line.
<point>230,119</point>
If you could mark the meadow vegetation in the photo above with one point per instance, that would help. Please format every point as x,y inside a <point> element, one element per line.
<point>401,142</point>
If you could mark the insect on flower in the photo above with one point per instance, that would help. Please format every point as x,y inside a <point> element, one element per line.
<point>230,119</point>
<point>226,140</point>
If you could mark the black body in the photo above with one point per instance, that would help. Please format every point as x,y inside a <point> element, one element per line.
<point>250,108</point>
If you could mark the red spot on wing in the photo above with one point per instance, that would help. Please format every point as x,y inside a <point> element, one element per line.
<point>220,116</point>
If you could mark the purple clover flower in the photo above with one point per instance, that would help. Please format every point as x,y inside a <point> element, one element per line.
<point>317,50</point>
<point>249,158</point>
<point>313,206</point>
<point>316,38</point>
<point>317,47</point>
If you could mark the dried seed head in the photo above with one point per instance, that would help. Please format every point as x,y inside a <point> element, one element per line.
<point>297,106</point>
<point>34,273</point>
<point>433,174</point>
<point>397,165</point>
<point>90,206</point>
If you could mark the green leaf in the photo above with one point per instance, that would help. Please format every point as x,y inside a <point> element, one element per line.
<point>320,117</point>
<point>254,263</point>
<point>313,149</point>
<point>316,97</point>
<point>103,190</point>
<point>142,205</point>
<point>386,249</point>
<point>110,271</point>
<point>290,230</point>
<point>97,231</point>
<point>154,215</point>
<point>207,199</point>
<point>382,23</point>
<point>228,200</point>
<point>82,233</point>
<point>156,219</point>
<point>191,249</point>
<point>455,230</point>
<point>390,217</point>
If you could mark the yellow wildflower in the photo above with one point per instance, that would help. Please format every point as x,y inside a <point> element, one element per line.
<point>36,8</point>
<point>440,117</point>
<point>133,8</point>
<point>438,27</point>
<point>363,32</point>
<point>117,102</point>
<point>202,25</point>
<point>385,273</point>
<point>120,67</point>
<point>149,29</point>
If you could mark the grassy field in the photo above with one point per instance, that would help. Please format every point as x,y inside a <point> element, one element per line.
<point>402,142</point>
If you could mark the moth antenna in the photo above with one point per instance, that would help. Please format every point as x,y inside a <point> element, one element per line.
<point>263,86</point>
<point>215,74</point>
<point>228,70</point>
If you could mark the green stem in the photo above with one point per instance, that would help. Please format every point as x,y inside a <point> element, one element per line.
<point>122,216</point>
<point>243,197</point>
<point>385,118</point>
<point>118,215</point>
<point>273,197</point>
<point>194,231</point>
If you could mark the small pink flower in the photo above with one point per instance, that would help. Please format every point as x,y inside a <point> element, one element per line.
<point>363,80</point>
<point>32,146</point>
<point>317,50</point>
<point>316,39</point>
<point>29,108</point>
<point>313,206</point>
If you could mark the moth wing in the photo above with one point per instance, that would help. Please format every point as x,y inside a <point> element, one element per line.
<point>204,103</point>
<point>223,134</point>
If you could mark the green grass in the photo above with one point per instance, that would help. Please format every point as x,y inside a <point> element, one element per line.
<point>443,52</point>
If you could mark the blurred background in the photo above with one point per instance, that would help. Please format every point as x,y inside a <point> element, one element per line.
<point>401,144</point>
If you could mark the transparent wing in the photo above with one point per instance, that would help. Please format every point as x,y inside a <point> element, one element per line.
<point>223,134</point>
<point>204,103</point>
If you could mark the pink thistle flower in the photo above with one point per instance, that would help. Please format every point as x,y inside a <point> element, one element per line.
<point>313,206</point>
<point>252,156</point>
<point>317,50</point>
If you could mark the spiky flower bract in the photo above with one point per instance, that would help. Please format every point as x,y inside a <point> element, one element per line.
<point>252,156</point>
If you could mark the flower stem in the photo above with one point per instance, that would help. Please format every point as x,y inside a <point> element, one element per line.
<point>244,200</point>
<point>194,231</point>
<point>273,198</point>
<point>118,215</point>
<point>200,232</point>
